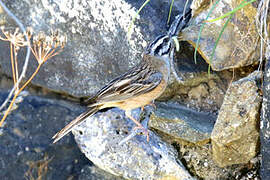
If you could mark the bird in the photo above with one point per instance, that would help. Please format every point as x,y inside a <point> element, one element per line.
<point>139,86</point>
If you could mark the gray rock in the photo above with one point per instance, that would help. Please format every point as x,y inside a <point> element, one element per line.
<point>99,136</point>
<point>265,124</point>
<point>98,48</point>
<point>26,146</point>
<point>182,123</point>
<point>94,173</point>
<point>235,136</point>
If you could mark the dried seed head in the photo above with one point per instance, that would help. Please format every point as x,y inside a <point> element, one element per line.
<point>29,32</point>
<point>63,40</point>
<point>44,47</point>
<point>16,38</point>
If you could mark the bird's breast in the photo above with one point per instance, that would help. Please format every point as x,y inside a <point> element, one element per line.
<point>143,99</point>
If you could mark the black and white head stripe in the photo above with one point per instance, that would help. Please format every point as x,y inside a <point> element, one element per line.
<point>160,46</point>
<point>180,22</point>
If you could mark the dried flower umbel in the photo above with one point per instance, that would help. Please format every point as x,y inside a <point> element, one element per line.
<point>16,40</point>
<point>43,48</point>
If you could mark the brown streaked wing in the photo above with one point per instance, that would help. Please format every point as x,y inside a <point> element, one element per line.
<point>137,81</point>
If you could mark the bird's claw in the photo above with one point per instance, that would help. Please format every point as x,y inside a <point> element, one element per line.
<point>134,132</point>
<point>143,130</point>
<point>138,130</point>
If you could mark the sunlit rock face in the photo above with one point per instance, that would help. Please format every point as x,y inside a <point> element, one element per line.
<point>100,44</point>
<point>238,45</point>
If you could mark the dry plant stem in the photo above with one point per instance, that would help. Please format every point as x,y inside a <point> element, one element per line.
<point>42,168</point>
<point>17,93</point>
<point>16,67</point>
<point>261,24</point>
<point>232,78</point>
<point>12,62</point>
<point>185,8</point>
<point>22,75</point>
<point>261,28</point>
<point>265,20</point>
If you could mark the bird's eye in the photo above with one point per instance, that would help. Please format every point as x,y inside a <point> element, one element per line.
<point>161,46</point>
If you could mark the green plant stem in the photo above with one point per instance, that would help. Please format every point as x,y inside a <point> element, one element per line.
<point>170,12</point>
<point>233,11</point>
<point>215,46</point>
<point>137,13</point>
<point>219,36</point>
<point>200,32</point>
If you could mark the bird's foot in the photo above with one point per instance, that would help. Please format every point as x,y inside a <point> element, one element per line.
<point>143,128</point>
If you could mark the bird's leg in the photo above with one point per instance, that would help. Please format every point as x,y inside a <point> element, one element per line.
<point>150,104</point>
<point>153,105</point>
<point>128,114</point>
<point>139,125</point>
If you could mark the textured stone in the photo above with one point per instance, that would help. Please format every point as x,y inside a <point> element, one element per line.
<point>236,133</point>
<point>191,73</point>
<point>98,138</point>
<point>2,16</point>
<point>265,124</point>
<point>238,45</point>
<point>182,123</point>
<point>25,140</point>
<point>199,91</point>
<point>98,48</point>
<point>94,173</point>
<point>199,161</point>
<point>193,76</point>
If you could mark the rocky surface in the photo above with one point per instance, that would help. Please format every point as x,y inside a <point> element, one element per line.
<point>25,142</point>
<point>235,137</point>
<point>195,76</point>
<point>239,41</point>
<point>94,173</point>
<point>264,125</point>
<point>98,48</point>
<point>200,162</point>
<point>136,159</point>
<point>182,124</point>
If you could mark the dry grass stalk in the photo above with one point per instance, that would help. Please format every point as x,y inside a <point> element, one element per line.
<point>40,166</point>
<point>262,23</point>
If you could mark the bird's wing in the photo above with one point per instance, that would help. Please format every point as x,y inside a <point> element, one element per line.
<point>136,81</point>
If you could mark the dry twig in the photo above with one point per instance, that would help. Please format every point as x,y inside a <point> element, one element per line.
<point>26,57</point>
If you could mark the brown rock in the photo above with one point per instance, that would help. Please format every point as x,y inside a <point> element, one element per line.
<point>235,135</point>
<point>238,45</point>
<point>199,91</point>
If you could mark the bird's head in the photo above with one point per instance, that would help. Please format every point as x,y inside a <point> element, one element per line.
<point>162,46</point>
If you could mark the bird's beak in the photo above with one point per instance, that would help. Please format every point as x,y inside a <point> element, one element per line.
<point>176,43</point>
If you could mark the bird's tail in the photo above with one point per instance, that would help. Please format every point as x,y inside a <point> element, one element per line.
<point>75,122</point>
